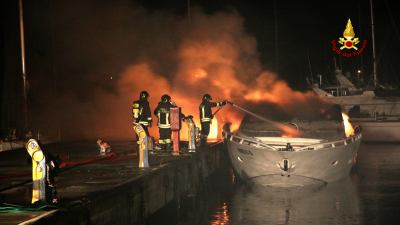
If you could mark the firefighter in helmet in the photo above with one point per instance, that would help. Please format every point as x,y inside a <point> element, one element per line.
<point>141,111</point>
<point>164,124</point>
<point>206,116</point>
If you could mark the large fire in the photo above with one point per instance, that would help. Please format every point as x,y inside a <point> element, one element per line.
<point>348,128</point>
<point>213,55</point>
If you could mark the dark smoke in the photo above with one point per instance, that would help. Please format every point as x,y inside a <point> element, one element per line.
<point>106,52</point>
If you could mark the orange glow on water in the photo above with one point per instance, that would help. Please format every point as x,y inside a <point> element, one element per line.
<point>221,217</point>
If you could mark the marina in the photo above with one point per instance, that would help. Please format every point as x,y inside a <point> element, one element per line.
<point>228,112</point>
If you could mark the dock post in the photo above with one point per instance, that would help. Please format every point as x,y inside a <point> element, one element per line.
<point>39,171</point>
<point>143,142</point>
<point>192,133</point>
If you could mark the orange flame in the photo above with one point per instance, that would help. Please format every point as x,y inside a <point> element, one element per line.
<point>207,59</point>
<point>348,128</point>
<point>214,131</point>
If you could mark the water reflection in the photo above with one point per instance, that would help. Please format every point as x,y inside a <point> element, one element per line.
<point>221,217</point>
<point>371,196</point>
<point>336,203</point>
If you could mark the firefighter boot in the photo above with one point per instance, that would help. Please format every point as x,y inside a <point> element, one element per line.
<point>168,147</point>
<point>203,140</point>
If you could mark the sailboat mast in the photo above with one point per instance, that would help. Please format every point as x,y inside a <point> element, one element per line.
<point>276,36</point>
<point>22,39</point>
<point>373,45</point>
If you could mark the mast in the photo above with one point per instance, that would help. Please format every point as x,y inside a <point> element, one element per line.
<point>188,11</point>
<point>21,28</point>
<point>373,45</point>
<point>276,36</point>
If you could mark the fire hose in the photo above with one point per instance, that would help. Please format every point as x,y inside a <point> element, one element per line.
<point>216,111</point>
<point>260,117</point>
<point>251,113</point>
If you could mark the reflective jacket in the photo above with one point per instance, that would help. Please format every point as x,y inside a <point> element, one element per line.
<point>206,112</point>
<point>163,114</point>
<point>141,112</point>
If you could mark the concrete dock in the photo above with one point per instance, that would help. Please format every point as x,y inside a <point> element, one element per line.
<point>95,189</point>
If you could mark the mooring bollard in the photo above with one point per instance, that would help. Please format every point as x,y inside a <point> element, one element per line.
<point>192,133</point>
<point>39,171</point>
<point>143,142</point>
<point>175,127</point>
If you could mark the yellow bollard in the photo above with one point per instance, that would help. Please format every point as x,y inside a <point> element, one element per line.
<point>38,171</point>
<point>143,142</point>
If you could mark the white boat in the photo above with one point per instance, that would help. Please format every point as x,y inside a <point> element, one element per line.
<point>322,154</point>
<point>6,145</point>
<point>378,117</point>
<point>11,142</point>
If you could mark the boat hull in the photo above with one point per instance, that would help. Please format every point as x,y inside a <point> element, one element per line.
<point>268,167</point>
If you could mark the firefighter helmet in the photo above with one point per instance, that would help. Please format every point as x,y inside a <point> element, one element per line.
<point>144,94</point>
<point>207,97</point>
<point>165,98</point>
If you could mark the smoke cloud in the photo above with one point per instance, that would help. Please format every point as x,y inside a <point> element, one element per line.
<point>107,60</point>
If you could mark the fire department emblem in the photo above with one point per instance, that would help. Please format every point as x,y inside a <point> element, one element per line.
<point>349,41</point>
<point>347,45</point>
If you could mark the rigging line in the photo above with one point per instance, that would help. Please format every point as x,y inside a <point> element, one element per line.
<point>392,20</point>
<point>384,46</point>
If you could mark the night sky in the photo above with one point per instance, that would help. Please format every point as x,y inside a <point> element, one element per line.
<point>75,48</point>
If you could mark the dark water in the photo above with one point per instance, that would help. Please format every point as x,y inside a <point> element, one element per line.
<point>371,195</point>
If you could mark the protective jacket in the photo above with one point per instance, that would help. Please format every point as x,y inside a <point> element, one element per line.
<point>163,114</point>
<point>206,112</point>
<point>141,112</point>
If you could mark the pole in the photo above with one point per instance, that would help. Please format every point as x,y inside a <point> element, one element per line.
<point>276,36</point>
<point>21,28</point>
<point>373,45</point>
<point>188,11</point>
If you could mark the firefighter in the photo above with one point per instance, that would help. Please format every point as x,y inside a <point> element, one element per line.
<point>164,125</point>
<point>141,111</point>
<point>206,116</point>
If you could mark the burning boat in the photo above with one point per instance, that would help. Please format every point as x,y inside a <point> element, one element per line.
<point>321,150</point>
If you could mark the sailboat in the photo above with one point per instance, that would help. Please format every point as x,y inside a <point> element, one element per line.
<point>378,116</point>
<point>11,141</point>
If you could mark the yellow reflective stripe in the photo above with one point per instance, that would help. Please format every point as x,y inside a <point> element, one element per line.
<point>164,126</point>
<point>202,112</point>
<point>167,141</point>
<point>136,105</point>
<point>161,141</point>
<point>144,122</point>
<point>205,119</point>
<point>149,118</point>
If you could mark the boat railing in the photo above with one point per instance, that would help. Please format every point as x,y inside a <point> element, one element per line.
<point>260,144</point>
<point>248,141</point>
